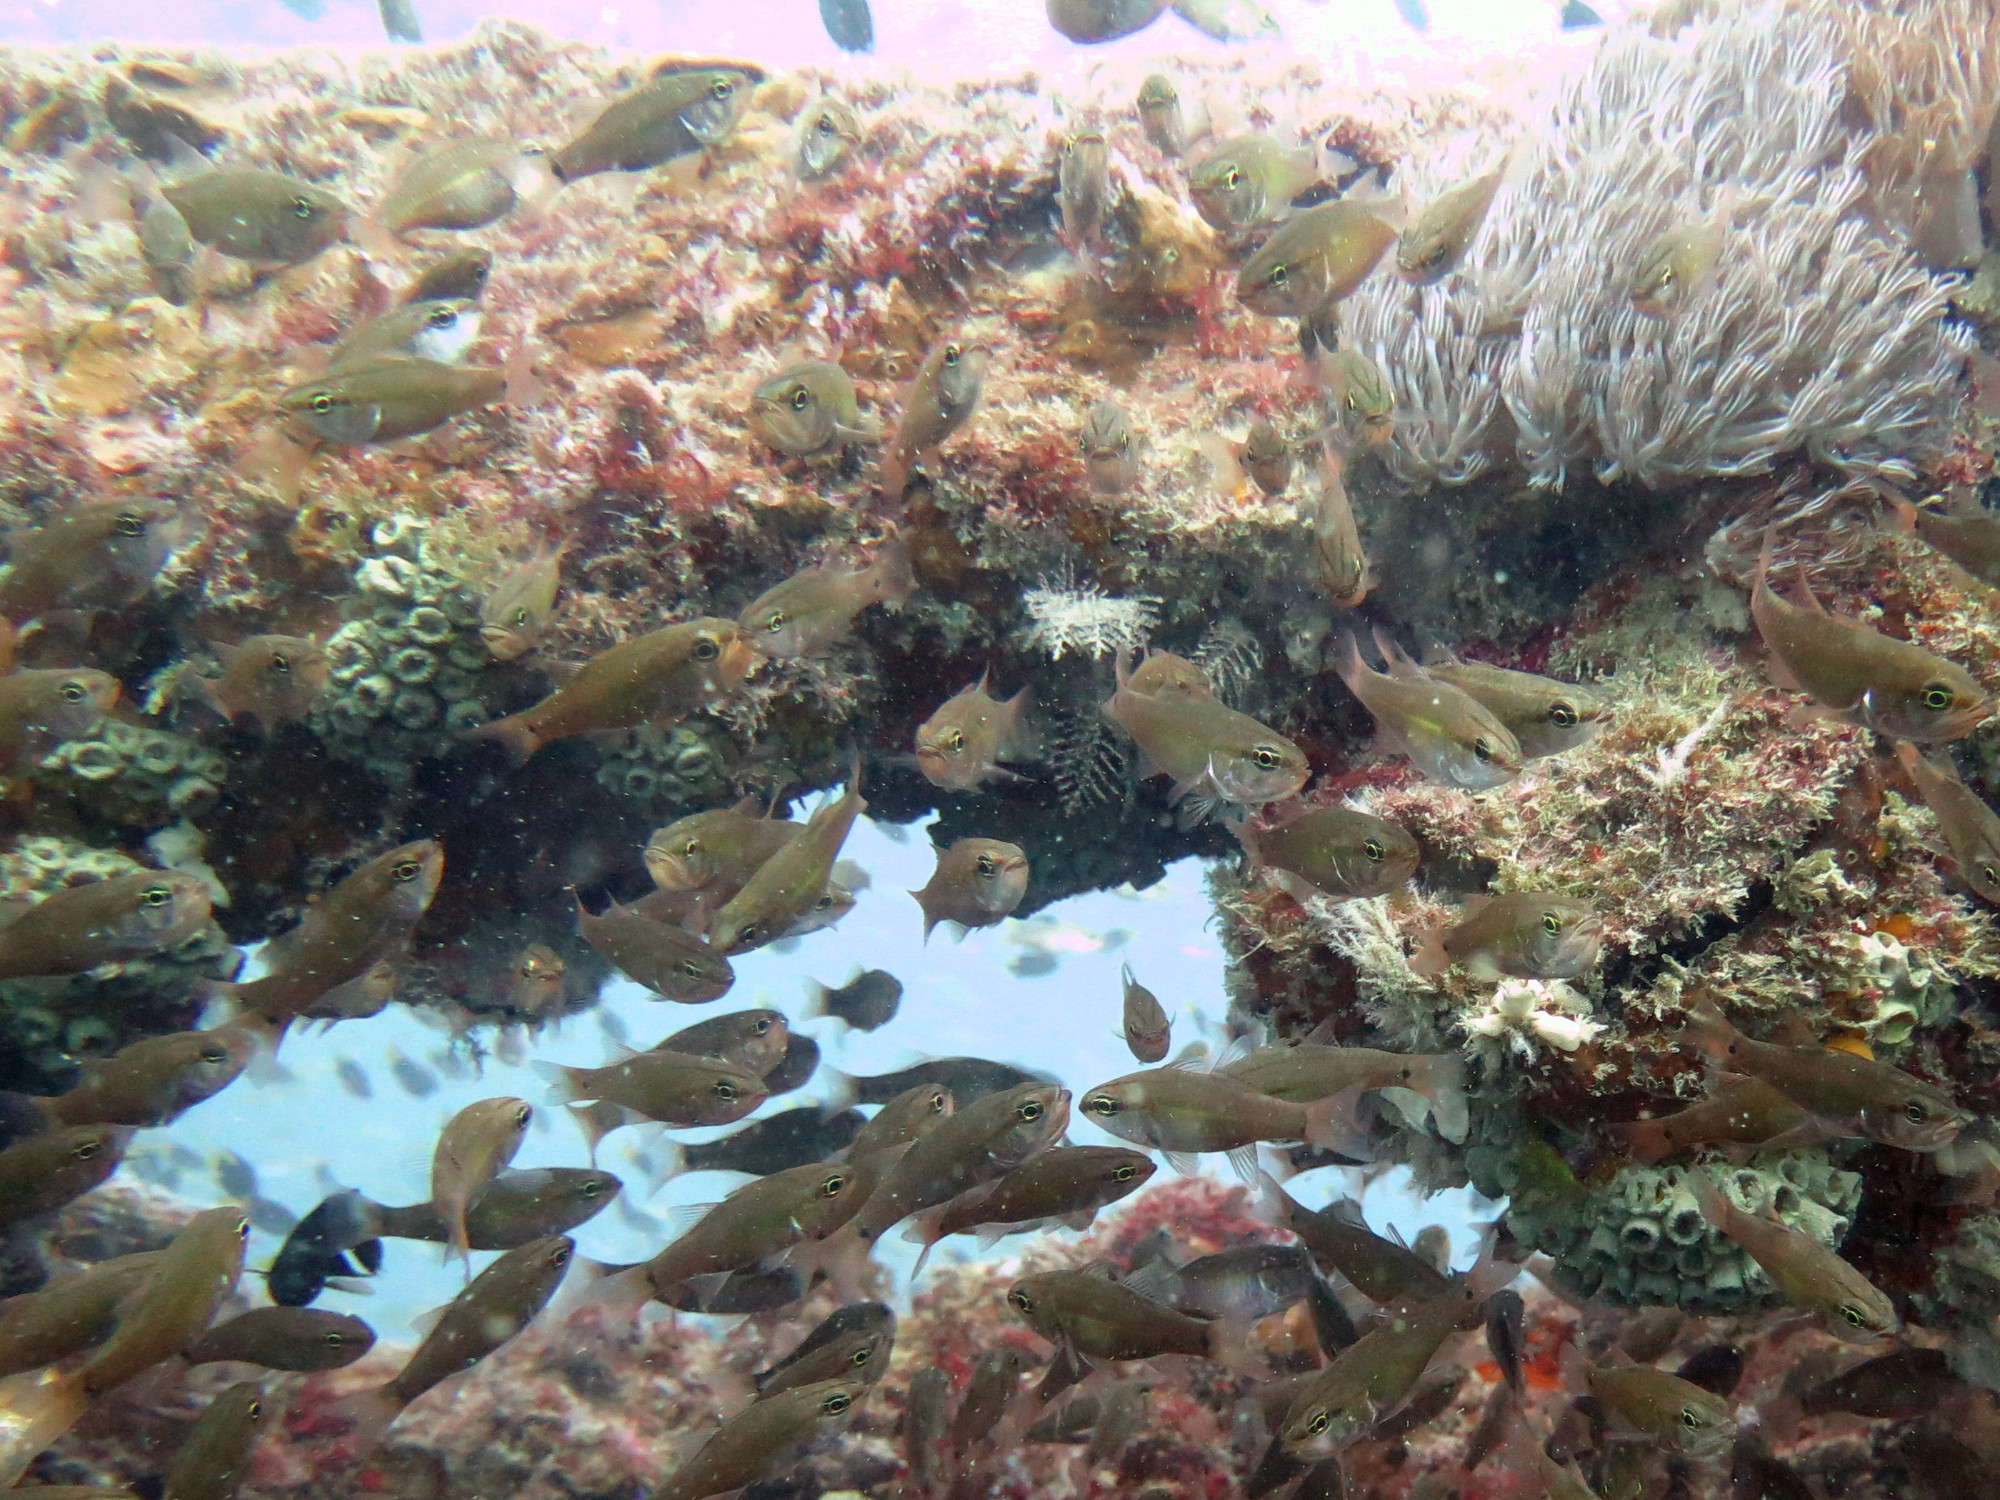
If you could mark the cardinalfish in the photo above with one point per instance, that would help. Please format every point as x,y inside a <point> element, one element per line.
<point>389,397</point>
<point>1147,1031</point>
<point>794,880</point>
<point>810,410</point>
<point>270,678</point>
<point>1526,934</point>
<point>977,883</point>
<point>828,132</point>
<point>513,616</point>
<point>1316,257</point>
<point>1064,1185</point>
<point>718,850</point>
<point>1861,675</point>
<point>963,743</point>
<point>1249,181</point>
<point>1970,828</point>
<point>1207,748</point>
<point>1742,1113</point>
<point>813,610</point>
<point>463,184</point>
<point>940,400</point>
<point>442,330</point>
<point>1805,1272</point>
<point>1083,186</point>
<point>262,217</point>
<point>678,113</point>
<point>1966,534</point>
<point>1159,106</point>
<point>766,1439</point>
<point>1546,717</point>
<point>474,1147</point>
<point>1338,556</point>
<point>1307,1072</point>
<point>1332,851</point>
<point>1361,404</point>
<point>153,1080</point>
<point>115,920</point>
<point>1448,735</point>
<point>1182,1113</point>
<point>41,707</point>
<point>672,963</point>
<point>1680,263</point>
<point>1437,239</point>
<point>100,555</point>
<point>1110,449</point>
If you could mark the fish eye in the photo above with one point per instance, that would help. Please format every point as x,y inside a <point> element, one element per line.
<point>722,88</point>
<point>859,1357</point>
<point>1374,850</point>
<point>281,664</point>
<point>1856,1318</point>
<point>691,969</point>
<point>243,1229</point>
<point>333,1339</point>
<point>937,1102</point>
<point>1266,757</point>
<point>1691,1419</point>
<point>1937,697</point>
<point>1991,874</point>
<point>521,616</point>
<point>725,1091</point>
<point>826,125</point>
<point>747,932</point>
<point>591,1189</point>
<point>85,1150</point>
<point>302,207</point>
<point>1030,1112</point>
<point>1232,179</point>
<point>952,354</point>
<point>407,870</point>
<point>1319,1422</point>
<point>705,650</point>
<point>776,621</point>
<point>1915,1112</point>
<point>322,403</point>
<point>157,895</point>
<point>1020,1301</point>
<point>759,1026</point>
<point>523,1114</point>
<point>559,1257</point>
<point>986,867</point>
<point>1281,275</point>
<point>801,398</point>
<point>129,524</point>
<point>72,692</point>
<point>214,1055</point>
<point>690,849</point>
<point>1482,750</point>
<point>1125,1173</point>
<point>1101,1104</point>
<point>830,1187</point>
<point>1562,716</point>
<point>1353,403</point>
<point>1552,922</point>
<point>953,740</point>
<point>836,1404</point>
<point>256,1408</point>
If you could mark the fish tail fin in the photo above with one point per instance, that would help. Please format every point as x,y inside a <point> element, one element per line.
<point>845,1259</point>
<point>891,578</point>
<point>377,240</point>
<point>1708,1198</point>
<point>275,459</point>
<point>560,1079</point>
<point>621,1291</point>
<point>1347,663</point>
<point>1645,1141</point>
<point>1905,515</point>
<point>1709,1031</point>
<point>524,388</point>
<point>36,1408</point>
<point>596,1120</point>
<point>841,1091</point>
<point>1274,1206</point>
<point>521,741</point>
<point>1332,1124</point>
<point>1225,471</point>
<point>369,1414</point>
<point>1248,838</point>
<point>1440,1078</point>
<point>817,996</point>
<point>1229,1345</point>
<point>1430,960</point>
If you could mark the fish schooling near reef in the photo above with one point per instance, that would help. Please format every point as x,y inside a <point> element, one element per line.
<point>928,754</point>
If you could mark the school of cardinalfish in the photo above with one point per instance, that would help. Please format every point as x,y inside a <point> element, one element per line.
<point>961,1146</point>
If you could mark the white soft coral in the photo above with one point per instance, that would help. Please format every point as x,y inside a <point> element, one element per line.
<point>1525,1012</point>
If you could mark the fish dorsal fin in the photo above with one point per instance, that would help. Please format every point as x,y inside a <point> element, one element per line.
<point>1193,1058</point>
<point>684,1216</point>
<point>1100,1268</point>
<point>1793,1031</point>
<point>1399,665</point>
<point>424,1322</point>
<point>1348,1212</point>
<point>1153,1281</point>
<point>1234,1051</point>
<point>1474,905</point>
<point>1321,1035</point>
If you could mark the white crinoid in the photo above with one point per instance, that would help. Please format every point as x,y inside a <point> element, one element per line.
<point>1080,617</point>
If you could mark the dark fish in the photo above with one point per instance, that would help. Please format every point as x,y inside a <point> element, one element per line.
<point>254,215</point>
<point>849,24</point>
<point>399,21</point>
<point>867,1001</point>
<point>996,1380</point>
<point>317,1247</point>
<point>968,1078</point>
<point>1247,1283</point>
<point>1331,1323</point>
<point>214,1458</point>
<point>1102,20</point>
<point>1755,1475</point>
<point>800,1061</point>
<point>851,1343</point>
<point>1896,1387</point>
<point>791,1139</point>
<point>1506,1337</point>
<point>1715,1367</point>
<point>926,1415</point>
<point>285,1338</point>
<point>416,1080</point>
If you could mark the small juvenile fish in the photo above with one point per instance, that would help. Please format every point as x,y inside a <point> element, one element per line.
<point>214,1458</point>
<point>535,981</point>
<point>1865,677</point>
<point>69,1314</point>
<point>1266,457</point>
<point>853,1343</point>
<point>1148,1032</point>
<point>1340,1241</point>
<point>788,886</point>
<point>366,917</point>
<point>1967,535</point>
<point>1083,186</point>
<point>1805,1272</point>
<point>114,920</point>
<point>675,114</point>
<point>867,1002</point>
<point>1250,180</point>
<point>1205,747</point>
<point>1359,398</point>
<point>254,215</point>
<point>1448,735</point>
<point>390,397</point>
<point>1090,21</point>
<point>1528,934</point>
<point>766,1439</point>
<point>1159,107</point>
<point>153,1080</point>
<point>400,22</point>
<point>1969,826</point>
<point>963,743</point>
<point>716,850</point>
<point>1307,1071</point>
<point>474,1147</point>
<point>848,24</point>
<point>513,616</point>
<point>100,555</point>
<point>167,247</point>
<point>1677,263</point>
<point>458,273</point>
<point>441,330</point>
<point>271,678</point>
<point>754,1040</point>
<point>1338,556</point>
<point>1853,1095</point>
<point>1507,1337</point>
<point>675,1088</point>
<point>1317,256</point>
<point>828,133</point>
<point>810,410</point>
<point>1741,1112</point>
<point>813,610</point>
<point>1437,239</point>
<point>1675,1413</point>
<point>941,398</point>
<point>500,1301</point>
<point>464,184</point>
<point>976,884</point>
<point>285,1338</point>
<point>1334,851</point>
<point>520,1205</point>
<point>660,677</point>
<point>1110,449</point>
<point>1095,1320</point>
<point>1182,1113</point>
<point>759,1220</point>
<point>1546,717</point>
<point>673,964</point>
<point>1065,1184</point>
<point>995,1382</point>
<point>40,1173</point>
<point>926,1413</point>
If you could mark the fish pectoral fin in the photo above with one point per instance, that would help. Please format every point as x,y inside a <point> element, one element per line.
<point>1243,1160</point>
<point>1183,1162</point>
